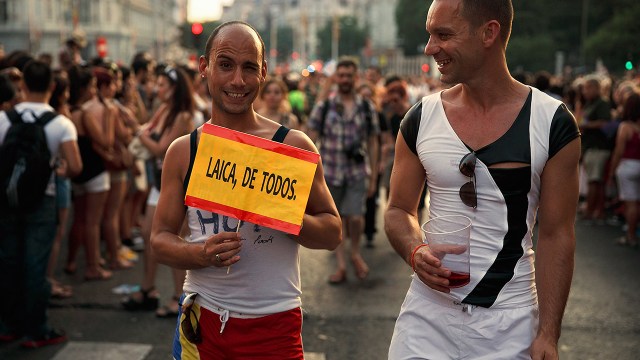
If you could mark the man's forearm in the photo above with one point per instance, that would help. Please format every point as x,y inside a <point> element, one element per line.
<point>172,250</point>
<point>554,272</point>
<point>403,231</point>
<point>320,231</point>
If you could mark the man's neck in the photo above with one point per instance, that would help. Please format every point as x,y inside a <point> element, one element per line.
<point>347,97</point>
<point>495,87</point>
<point>240,122</point>
<point>37,97</point>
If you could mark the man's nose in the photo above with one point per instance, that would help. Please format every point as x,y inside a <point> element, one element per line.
<point>238,78</point>
<point>431,48</point>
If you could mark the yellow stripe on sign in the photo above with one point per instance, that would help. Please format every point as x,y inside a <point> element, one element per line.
<point>241,178</point>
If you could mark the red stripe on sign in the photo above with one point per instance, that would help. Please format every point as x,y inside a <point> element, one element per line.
<point>263,143</point>
<point>242,215</point>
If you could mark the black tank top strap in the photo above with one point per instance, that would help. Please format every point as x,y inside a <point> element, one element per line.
<point>193,141</point>
<point>280,134</point>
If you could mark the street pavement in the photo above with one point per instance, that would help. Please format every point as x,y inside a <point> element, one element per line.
<point>355,320</point>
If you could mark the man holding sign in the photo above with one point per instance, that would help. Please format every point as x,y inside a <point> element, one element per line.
<point>231,171</point>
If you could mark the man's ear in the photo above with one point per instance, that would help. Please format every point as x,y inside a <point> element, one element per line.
<point>202,65</point>
<point>264,70</point>
<point>490,33</point>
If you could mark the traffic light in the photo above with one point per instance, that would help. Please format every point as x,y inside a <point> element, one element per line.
<point>628,65</point>
<point>196,30</point>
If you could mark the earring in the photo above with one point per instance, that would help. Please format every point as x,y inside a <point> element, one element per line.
<point>202,76</point>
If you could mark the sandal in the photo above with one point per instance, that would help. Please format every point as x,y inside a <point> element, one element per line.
<point>165,311</point>
<point>102,275</point>
<point>147,303</point>
<point>338,277</point>
<point>625,241</point>
<point>59,291</point>
<point>361,268</point>
<point>121,264</point>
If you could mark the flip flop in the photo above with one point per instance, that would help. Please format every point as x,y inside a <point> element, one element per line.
<point>625,241</point>
<point>59,291</point>
<point>102,275</point>
<point>361,268</point>
<point>338,277</point>
<point>167,312</point>
<point>121,264</point>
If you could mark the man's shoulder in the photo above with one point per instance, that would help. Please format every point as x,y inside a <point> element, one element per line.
<point>184,142</point>
<point>179,153</point>
<point>300,140</point>
<point>29,109</point>
<point>544,98</point>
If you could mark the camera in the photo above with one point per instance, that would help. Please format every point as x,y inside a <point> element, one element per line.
<point>356,153</point>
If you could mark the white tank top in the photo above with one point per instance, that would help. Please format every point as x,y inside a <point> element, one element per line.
<point>440,151</point>
<point>265,281</point>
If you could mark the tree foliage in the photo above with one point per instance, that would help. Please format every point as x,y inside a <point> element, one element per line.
<point>284,42</point>
<point>352,37</point>
<point>617,40</point>
<point>543,27</point>
<point>410,19</point>
<point>196,42</point>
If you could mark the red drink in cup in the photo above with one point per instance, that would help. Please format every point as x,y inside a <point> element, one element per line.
<point>458,279</point>
<point>448,239</point>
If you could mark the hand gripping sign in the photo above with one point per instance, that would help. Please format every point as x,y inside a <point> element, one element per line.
<point>251,178</point>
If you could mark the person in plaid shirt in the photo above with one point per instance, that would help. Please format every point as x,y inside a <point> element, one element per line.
<point>346,129</point>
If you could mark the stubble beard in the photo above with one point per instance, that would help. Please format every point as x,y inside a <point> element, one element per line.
<point>345,89</point>
<point>236,109</point>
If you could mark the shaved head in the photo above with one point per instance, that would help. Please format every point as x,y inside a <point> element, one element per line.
<point>220,27</point>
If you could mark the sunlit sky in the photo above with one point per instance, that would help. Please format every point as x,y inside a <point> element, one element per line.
<point>205,10</point>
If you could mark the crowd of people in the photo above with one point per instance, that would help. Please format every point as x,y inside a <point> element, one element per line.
<point>119,121</point>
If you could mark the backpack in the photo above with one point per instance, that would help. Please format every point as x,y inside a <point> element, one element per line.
<point>26,168</point>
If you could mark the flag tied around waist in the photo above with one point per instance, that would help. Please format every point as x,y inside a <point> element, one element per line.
<point>251,178</point>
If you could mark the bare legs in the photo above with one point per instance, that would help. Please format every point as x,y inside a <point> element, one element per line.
<point>595,200</point>
<point>353,227</point>
<point>148,296</point>
<point>88,210</point>
<point>111,223</point>
<point>57,289</point>
<point>631,217</point>
<point>93,213</point>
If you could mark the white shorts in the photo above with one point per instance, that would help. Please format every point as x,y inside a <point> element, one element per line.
<point>154,196</point>
<point>140,181</point>
<point>595,163</point>
<point>628,175</point>
<point>118,176</point>
<point>99,183</point>
<point>430,327</point>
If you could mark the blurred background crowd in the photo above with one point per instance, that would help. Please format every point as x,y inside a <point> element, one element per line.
<point>127,112</point>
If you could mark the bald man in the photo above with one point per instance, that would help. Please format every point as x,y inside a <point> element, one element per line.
<point>253,311</point>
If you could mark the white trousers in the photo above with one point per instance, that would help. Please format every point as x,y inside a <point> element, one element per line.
<point>429,327</point>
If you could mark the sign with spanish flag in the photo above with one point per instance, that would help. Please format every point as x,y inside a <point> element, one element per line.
<point>251,178</point>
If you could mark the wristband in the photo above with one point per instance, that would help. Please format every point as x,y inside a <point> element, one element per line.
<point>413,254</point>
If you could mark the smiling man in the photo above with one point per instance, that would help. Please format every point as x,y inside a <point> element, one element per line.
<point>505,155</point>
<point>237,315</point>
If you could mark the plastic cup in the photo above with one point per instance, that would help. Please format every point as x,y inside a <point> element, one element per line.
<point>448,240</point>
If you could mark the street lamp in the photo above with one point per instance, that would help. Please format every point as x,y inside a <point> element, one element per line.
<point>273,36</point>
<point>335,37</point>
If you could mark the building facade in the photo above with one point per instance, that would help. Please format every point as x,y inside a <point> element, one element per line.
<point>125,26</point>
<point>307,17</point>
